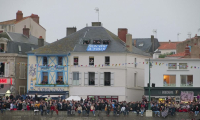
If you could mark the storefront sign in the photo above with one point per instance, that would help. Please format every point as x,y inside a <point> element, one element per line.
<point>167,92</point>
<point>3,81</point>
<point>49,90</point>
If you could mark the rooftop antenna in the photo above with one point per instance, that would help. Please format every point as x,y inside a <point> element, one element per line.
<point>155,32</point>
<point>189,35</point>
<point>97,11</point>
<point>178,36</point>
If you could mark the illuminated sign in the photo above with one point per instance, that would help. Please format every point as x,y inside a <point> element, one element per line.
<point>96,47</point>
<point>3,81</point>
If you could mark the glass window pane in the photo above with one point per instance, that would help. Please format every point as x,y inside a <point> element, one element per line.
<point>190,80</point>
<point>183,80</point>
<point>172,66</point>
<point>75,76</point>
<point>172,80</point>
<point>182,65</point>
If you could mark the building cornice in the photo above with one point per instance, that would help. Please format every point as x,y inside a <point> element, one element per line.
<point>174,59</point>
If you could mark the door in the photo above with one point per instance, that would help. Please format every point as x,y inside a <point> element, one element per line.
<point>21,90</point>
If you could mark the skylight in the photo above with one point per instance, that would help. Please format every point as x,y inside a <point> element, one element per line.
<point>141,44</point>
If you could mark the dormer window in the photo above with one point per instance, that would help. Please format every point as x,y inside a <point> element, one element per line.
<point>32,48</point>
<point>96,41</point>
<point>20,49</point>
<point>141,44</point>
<point>106,42</point>
<point>86,42</point>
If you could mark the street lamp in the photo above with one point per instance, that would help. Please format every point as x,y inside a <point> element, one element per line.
<point>150,66</point>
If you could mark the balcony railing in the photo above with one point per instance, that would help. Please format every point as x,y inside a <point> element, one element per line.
<point>107,63</point>
<point>2,75</point>
<point>169,85</point>
<point>187,85</point>
<point>44,67</point>
<point>59,67</point>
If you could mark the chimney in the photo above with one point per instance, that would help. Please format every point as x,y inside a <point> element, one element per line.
<point>169,41</point>
<point>187,50</point>
<point>122,33</point>
<point>152,41</point>
<point>70,30</point>
<point>40,41</point>
<point>129,42</point>
<point>26,31</point>
<point>19,15</point>
<point>96,23</point>
<point>135,43</point>
<point>35,18</point>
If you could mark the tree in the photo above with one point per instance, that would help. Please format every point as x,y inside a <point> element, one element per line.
<point>165,54</point>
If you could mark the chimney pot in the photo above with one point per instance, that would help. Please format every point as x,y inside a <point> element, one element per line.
<point>152,41</point>
<point>40,41</point>
<point>129,42</point>
<point>122,33</point>
<point>26,31</point>
<point>169,41</point>
<point>70,30</point>
<point>135,43</point>
<point>19,15</point>
<point>187,50</point>
<point>35,18</point>
<point>96,23</point>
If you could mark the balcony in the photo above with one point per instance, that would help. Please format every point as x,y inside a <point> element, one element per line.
<point>44,67</point>
<point>169,85</point>
<point>59,67</point>
<point>187,85</point>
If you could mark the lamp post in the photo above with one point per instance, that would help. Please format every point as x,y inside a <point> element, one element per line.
<point>149,106</point>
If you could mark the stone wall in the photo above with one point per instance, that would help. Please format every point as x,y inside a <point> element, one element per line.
<point>29,115</point>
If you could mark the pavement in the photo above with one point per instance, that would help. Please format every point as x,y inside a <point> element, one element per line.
<point>28,115</point>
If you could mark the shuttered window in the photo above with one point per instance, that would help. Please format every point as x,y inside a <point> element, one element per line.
<point>22,71</point>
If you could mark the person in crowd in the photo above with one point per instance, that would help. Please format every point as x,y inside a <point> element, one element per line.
<point>41,109</point>
<point>142,109</point>
<point>24,105</point>
<point>52,108</point>
<point>79,110</point>
<point>196,110</point>
<point>138,109</point>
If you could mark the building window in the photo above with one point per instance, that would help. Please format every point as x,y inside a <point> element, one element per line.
<point>172,66</point>
<point>75,60</point>
<point>141,44</point>
<point>182,65</point>
<point>186,80</point>
<point>75,78</point>
<point>96,41</point>
<point>20,49</point>
<point>107,78</point>
<point>169,80</point>
<point>2,47</point>
<point>2,70</point>
<point>172,52</point>
<point>135,62</point>
<point>91,60</point>
<point>107,60</point>
<point>106,42</point>
<point>44,78</point>
<point>60,59</point>
<point>86,42</point>
<point>59,78</point>
<point>45,61</point>
<point>91,78</point>
<point>22,71</point>
<point>32,48</point>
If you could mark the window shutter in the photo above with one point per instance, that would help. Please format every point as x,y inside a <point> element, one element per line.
<point>101,79</point>
<point>86,78</point>
<point>96,79</point>
<point>70,78</point>
<point>6,69</point>
<point>112,79</point>
<point>80,80</point>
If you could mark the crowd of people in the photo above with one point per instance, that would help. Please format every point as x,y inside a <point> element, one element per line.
<point>95,107</point>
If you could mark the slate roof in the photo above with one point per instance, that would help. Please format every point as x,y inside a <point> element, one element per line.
<point>74,42</point>
<point>147,44</point>
<point>16,39</point>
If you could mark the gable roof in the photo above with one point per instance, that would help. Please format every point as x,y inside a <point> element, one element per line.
<point>181,54</point>
<point>15,22</point>
<point>147,44</point>
<point>17,39</point>
<point>74,42</point>
<point>167,45</point>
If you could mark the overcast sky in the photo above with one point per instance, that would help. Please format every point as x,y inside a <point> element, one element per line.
<point>140,17</point>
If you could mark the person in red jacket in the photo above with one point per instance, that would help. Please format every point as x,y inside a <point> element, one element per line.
<point>52,109</point>
<point>28,107</point>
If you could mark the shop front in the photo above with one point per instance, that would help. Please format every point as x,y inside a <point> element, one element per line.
<point>104,98</point>
<point>174,94</point>
<point>5,85</point>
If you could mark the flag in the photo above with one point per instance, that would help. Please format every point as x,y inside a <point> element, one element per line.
<point>156,63</point>
<point>143,62</point>
<point>146,62</point>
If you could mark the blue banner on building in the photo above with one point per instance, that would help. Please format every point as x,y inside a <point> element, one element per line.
<point>96,47</point>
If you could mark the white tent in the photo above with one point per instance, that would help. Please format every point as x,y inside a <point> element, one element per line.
<point>75,98</point>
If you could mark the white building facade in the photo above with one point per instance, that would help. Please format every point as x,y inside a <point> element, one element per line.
<point>172,77</point>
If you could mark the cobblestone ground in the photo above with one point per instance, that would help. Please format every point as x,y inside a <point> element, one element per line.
<point>23,115</point>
